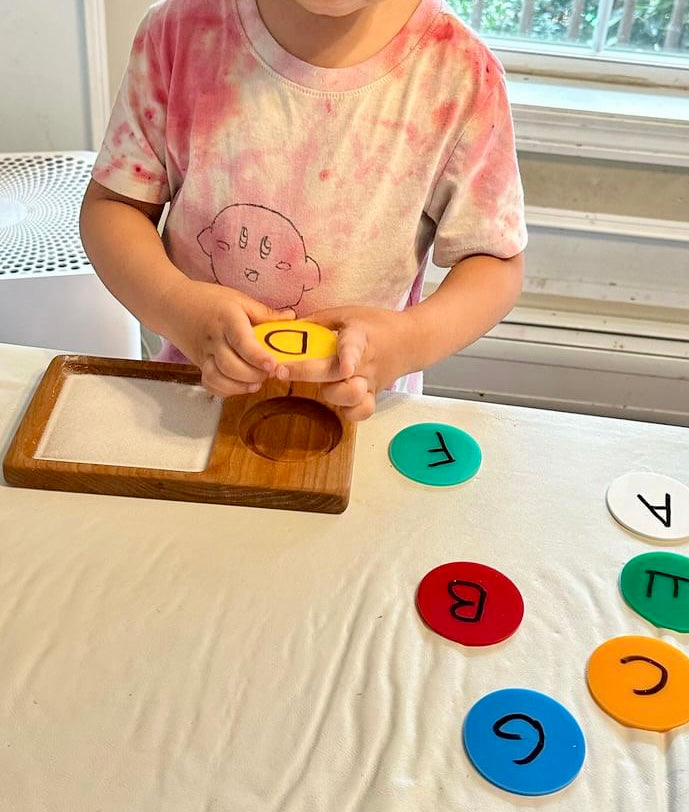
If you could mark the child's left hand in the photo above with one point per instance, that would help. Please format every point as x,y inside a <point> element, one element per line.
<point>374,348</point>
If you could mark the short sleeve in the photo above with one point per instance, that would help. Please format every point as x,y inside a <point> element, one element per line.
<point>131,160</point>
<point>478,202</point>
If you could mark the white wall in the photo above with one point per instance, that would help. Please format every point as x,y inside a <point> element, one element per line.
<point>43,78</point>
<point>121,20</point>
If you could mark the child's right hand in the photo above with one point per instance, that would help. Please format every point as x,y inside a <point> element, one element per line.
<point>212,326</point>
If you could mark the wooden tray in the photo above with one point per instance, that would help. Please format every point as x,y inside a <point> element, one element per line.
<point>280,448</point>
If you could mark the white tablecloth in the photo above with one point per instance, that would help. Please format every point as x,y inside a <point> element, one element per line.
<point>199,658</point>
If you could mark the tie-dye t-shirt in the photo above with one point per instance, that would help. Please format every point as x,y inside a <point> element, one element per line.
<point>309,187</point>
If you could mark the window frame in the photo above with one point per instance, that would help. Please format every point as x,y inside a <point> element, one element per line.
<point>597,121</point>
<point>567,58</point>
<point>618,68</point>
<point>96,42</point>
<point>588,101</point>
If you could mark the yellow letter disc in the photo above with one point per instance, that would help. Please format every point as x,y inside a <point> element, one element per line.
<point>296,340</point>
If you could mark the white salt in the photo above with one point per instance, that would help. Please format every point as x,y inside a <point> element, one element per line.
<point>131,422</point>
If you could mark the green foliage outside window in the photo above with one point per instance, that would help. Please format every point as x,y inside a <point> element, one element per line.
<point>642,25</point>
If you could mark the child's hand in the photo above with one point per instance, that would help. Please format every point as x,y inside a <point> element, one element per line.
<point>213,328</point>
<point>373,350</point>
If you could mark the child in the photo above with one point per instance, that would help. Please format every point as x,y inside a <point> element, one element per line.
<point>312,152</point>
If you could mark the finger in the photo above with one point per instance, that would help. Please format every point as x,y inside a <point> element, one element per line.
<point>362,411</point>
<point>334,318</point>
<point>351,348</point>
<point>231,365</point>
<point>315,370</point>
<point>213,380</point>
<point>247,347</point>
<point>348,393</point>
<point>258,312</point>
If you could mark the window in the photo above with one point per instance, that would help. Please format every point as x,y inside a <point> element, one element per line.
<point>582,38</point>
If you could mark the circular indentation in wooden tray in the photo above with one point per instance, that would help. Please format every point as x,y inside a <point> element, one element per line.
<point>290,429</point>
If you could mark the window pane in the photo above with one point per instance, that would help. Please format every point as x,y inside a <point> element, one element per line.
<point>646,26</point>
<point>562,21</point>
<point>650,25</point>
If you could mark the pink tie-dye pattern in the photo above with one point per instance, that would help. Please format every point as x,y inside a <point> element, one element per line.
<point>366,163</point>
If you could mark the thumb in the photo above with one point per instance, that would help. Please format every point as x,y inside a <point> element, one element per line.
<point>259,313</point>
<point>333,318</point>
<point>351,349</point>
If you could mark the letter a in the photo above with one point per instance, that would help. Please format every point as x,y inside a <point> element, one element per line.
<point>656,508</point>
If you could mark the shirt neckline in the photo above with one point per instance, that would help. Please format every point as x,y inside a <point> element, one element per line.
<point>335,79</point>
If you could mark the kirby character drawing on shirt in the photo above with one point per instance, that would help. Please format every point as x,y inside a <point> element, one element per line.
<point>260,252</point>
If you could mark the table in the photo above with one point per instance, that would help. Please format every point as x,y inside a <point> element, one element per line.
<point>179,657</point>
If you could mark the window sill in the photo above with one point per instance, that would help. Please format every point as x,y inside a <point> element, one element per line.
<point>594,120</point>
